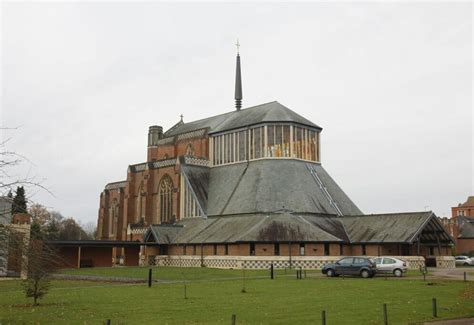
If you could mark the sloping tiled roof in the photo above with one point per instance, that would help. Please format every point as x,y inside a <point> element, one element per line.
<point>162,234</point>
<point>199,180</point>
<point>293,227</point>
<point>393,227</point>
<point>469,202</point>
<point>466,227</point>
<point>269,112</point>
<point>282,227</point>
<point>272,185</point>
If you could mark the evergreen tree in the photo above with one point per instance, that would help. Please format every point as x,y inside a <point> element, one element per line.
<point>19,202</point>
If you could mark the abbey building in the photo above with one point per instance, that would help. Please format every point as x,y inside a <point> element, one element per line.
<point>250,182</point>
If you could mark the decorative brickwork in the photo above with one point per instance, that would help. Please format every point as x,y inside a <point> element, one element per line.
<point>264,262</point>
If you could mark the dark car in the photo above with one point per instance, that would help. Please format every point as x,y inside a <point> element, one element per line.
<point>351,265</point>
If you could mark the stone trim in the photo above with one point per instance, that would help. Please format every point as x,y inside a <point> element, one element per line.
<point>196,161</point>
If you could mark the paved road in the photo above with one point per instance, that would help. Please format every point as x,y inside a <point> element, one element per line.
<point>452,274</point>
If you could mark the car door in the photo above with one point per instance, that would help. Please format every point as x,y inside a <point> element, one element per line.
<point>378,262</point>
<point>388,264</point>
<point>343,267</point>
<point>357,264</point>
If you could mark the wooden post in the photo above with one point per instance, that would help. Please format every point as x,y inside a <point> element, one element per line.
<point>79,257</point>
<point>385,315</point>
<point>289,251</point>
<point>271,271</point>
<point>107,322</point>
<point>323,317</point>
<point>418,245</point>
<point>149,278</point>
<point>233,319</point>
<point>435,307</point>
<point>465,276</point>
<point>202,255</point>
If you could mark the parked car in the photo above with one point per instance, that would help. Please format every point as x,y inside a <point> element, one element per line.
<point>351,265</point>
<point>390,265</point>
<point>464,260</point>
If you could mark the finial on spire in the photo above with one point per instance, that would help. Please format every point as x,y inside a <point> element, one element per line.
<point>238,81</point>
<point>238,46</point>
<point>181,117</point>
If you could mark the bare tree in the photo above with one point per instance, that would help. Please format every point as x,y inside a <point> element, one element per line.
<point>40,263</point>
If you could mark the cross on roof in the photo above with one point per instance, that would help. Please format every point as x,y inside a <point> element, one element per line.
<point>238,46</point>
<point>181,117</point>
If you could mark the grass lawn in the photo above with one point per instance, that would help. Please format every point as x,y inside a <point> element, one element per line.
<point>176,273</point>
<point>191,274</point>
<point>284,300</point>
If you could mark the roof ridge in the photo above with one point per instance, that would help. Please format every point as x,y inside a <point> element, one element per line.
<point>222,114</point>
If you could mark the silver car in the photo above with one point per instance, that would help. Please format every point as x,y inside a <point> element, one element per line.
<point>390,265</point>
<point>464,260</point>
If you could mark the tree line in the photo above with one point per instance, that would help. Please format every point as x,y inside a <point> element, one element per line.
<point>49,224</point>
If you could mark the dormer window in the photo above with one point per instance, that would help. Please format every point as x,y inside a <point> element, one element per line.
<point>267,141</point>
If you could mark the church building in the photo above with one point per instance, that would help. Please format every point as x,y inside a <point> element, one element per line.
<point>246,184</point>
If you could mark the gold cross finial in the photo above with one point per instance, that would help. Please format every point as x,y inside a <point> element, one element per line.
<point>238,46</point>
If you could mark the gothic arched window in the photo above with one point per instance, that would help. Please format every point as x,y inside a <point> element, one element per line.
<point>189,150</point>
<point>166,199</point>
<point>140,203</point>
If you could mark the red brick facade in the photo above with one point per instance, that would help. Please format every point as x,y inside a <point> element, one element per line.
<point>137,199</point>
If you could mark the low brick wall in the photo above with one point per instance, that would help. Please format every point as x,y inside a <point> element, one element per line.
<point>264,262</point>
<point>445,262</point>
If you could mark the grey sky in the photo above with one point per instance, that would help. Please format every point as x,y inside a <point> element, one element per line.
<point>391,84</point>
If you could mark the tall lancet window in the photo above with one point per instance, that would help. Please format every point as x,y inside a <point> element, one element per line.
<point>141,203</point>
<point>113,218</point>
<point>166,199</point>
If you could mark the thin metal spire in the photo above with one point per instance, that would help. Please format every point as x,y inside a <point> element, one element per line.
<point>238,81</point>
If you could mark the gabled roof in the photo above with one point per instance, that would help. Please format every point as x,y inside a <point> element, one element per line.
<point>265,113</point>
<point>469,202</point>
<point>395,228</point>
<point>162,234</point>
<point>274,185</point>
<point>466,227</point>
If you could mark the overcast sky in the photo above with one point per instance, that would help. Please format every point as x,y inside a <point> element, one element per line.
<point>391,85</point>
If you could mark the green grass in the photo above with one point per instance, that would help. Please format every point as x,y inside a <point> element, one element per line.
<point>284,300</point>
<point>176,273</point>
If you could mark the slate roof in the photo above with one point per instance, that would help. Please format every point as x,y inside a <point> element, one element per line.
<point>469,202</point>
<point>198,178</point>
<point>162,234</point>
<point>264,113</point>
<point>293,227</point>
<point>466,227</point>
<point>282,227</point>
<point>393,227</point>
<point>273,185</point>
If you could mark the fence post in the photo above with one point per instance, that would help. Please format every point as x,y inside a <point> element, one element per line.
<point>149,278</point>
<point>435,308</point>
<point>465,276</point>
<point>385,315</point>
<point>271,271</point>
<point>107,322</point>
<point>233,319</point>
<point>323,317</point>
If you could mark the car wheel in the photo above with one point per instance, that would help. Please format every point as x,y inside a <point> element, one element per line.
<point>397,272</point>
<point>465,264</point>
<point>330,273</point>
<point>365,274</point>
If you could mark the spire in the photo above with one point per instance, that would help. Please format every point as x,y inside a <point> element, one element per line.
<point>238,81</point>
